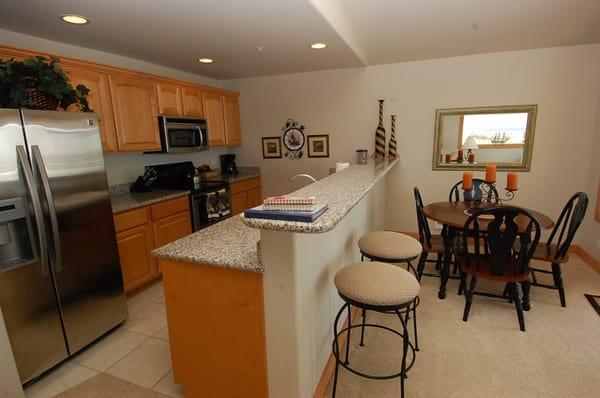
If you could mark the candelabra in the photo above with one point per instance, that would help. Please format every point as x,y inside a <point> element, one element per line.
<point>490,194</point>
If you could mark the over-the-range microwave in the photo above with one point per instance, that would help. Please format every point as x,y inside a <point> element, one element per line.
<point>180,134</point>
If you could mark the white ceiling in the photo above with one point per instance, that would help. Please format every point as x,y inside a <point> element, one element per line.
<point>175,33</point>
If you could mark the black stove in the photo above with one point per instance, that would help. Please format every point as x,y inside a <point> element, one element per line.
<point>210,200</point>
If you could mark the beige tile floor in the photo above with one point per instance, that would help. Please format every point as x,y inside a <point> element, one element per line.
<point>137,351</point>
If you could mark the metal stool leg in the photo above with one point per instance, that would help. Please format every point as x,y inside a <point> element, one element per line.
<point>404,352</point>
<point>348,336</point>
<point>362,330</point>
<point>337,348</point>
<point>414,311</point>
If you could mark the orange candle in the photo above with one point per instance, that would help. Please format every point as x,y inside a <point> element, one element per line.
<point>467,182</point>
<point>512,181</point>
<point>490,173</point>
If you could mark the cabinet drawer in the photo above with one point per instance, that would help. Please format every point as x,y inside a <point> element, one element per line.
<point>245,185</point>
<point>130,219</point>
<point>170,207</point>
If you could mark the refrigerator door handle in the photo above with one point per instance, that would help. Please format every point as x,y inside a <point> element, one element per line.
<point>39,228</point>
<point>40,169</point>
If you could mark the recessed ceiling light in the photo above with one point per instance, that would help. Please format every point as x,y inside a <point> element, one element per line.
<point>205,60</point>
<point>75,19</point>
<point>318,46</point>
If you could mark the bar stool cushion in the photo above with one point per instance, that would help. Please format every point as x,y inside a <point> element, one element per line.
<point>377,284</point>
<point>389,245</point>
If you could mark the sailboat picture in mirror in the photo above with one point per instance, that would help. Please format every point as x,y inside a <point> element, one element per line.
<point>471,138</point>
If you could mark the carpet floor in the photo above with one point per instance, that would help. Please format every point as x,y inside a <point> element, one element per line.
<point>558,356</point>
<point>106,386</point>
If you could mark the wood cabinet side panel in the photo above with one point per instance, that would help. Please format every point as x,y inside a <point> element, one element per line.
<point>216,330</point>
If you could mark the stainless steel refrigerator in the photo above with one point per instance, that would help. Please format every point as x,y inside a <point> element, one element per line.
<point>60,278</point>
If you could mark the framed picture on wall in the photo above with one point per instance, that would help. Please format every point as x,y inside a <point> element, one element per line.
<point>271,147</point>
<point>318,145</point>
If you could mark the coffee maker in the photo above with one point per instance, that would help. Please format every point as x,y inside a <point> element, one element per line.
<point>228,164</point>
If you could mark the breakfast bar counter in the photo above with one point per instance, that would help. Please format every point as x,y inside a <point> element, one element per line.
<point>250,302</point>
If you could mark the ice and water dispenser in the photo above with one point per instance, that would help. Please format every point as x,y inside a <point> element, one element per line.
<point>15,242</point>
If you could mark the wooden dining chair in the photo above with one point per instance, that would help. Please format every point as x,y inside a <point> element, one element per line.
<point>476,193</point>
<point>503,263</point>
<point>431,244</point>
<point>556,250</point>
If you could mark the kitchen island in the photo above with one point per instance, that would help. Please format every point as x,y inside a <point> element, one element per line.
<point>250,303</point>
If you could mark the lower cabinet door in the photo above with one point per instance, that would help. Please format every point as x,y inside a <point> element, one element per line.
<point>254,197</point>
<point>239,202</point>
<point>169,229</point>
<point>137,264</point>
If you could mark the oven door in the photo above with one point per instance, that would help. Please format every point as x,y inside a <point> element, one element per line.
<point>210,207</point>
<point>183,137</point>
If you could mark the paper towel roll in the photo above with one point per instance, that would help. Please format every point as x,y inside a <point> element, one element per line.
<point>339,166</point>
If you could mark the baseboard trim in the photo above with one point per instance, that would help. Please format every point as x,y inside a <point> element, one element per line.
<point>587,258</point>
<point>329,369</point>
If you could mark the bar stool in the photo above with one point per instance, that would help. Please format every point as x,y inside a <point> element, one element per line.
<point>391,247</point>
<point>380,287</point>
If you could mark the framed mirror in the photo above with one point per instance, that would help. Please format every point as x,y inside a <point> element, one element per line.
<point>471,138</point>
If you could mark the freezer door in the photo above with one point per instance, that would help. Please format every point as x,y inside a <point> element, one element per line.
<point>27,296</point>
<point>69,168</point>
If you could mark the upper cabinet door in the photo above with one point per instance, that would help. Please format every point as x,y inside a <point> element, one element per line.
<point>233,133</point>
<point>100,103</point>
<point>213,111</point>
<point>169,99</point>
<point>192,101</point>
<point>136,113</point>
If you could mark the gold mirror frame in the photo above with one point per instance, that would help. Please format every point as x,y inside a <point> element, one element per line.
<point>525,165</point>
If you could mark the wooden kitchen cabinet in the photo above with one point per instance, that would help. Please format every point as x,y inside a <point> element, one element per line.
<point>231,108</point>
<point>192,102</point>
<point>128,103</point>
<point>136,113</point>
<point>137,265</point>
<point>170,99</point>
<point>214,113</point>
<point>245,194</point>
<point>254,197</point>
<point>100,102</point>
<point>239,202</point>
<point>171,228</point>
<point>141,230</point>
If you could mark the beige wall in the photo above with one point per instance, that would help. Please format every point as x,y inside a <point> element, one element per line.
<point>564,82</point>
<point>590,234</point>
<point>121,168</point>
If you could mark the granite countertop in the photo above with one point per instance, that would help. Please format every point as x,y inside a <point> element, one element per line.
<point>123,201</point>
<point>341,191</point>
<point>228,244</point>
<point>244,174</point>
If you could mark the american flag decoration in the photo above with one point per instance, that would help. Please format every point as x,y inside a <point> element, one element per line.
<point>380,134</point>
<point>392,152</point>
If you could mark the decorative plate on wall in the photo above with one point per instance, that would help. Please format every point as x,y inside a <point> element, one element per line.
<point>293,139</point>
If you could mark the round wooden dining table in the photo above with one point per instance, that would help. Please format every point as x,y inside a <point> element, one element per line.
<point>453,216</point>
